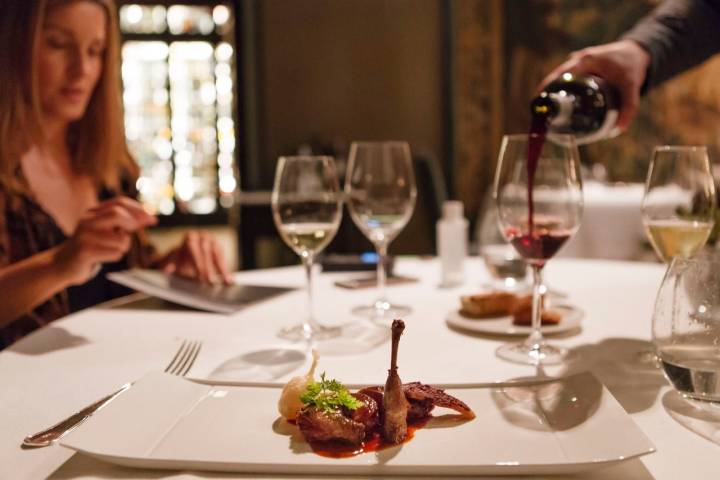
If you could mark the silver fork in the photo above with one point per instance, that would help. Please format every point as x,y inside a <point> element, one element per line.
<point>180,365</point>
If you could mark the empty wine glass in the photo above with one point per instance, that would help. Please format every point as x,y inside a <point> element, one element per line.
<point>678,208</point>
<point>505,265</point>
<point>538,193</point>
<point>380,190</point>
<point>306,206</point>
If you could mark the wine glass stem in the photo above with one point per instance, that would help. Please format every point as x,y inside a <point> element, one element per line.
<point>535,340</point>
<point>381,275</point>
<point>311,324</point>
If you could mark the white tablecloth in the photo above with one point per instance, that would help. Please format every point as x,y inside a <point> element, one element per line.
<point>76,360</point>
<point>611,226</point>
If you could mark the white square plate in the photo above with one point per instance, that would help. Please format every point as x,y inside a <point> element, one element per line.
<point>168,422</point>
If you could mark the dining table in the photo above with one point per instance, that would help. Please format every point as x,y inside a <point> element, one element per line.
<point>80,358</point>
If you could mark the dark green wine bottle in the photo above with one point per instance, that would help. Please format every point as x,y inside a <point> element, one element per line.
<point>584,106</point>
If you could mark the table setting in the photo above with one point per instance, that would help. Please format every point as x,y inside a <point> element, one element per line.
<point>200,393</point>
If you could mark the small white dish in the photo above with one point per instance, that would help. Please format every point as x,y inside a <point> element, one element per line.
<point>571,317</point>
<point>552,427</point>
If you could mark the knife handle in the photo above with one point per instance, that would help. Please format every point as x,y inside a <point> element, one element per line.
<point>59,430</point>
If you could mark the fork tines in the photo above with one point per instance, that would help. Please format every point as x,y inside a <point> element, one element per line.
<point>184,358</point>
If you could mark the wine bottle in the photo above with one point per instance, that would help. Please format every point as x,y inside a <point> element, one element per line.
<point>584,106</point>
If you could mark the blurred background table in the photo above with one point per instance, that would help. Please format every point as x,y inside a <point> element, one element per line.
<point>611,226</point>
<point>78,359</point>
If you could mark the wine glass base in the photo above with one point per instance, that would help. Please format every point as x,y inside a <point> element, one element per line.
<point>543,354</point>
<point>647,358</point>
<point>305,332</point>
<point>344,339</point>
<point>381,309</point>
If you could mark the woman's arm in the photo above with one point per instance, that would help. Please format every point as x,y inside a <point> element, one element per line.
<point>102,235</point>
<point>28,283</point>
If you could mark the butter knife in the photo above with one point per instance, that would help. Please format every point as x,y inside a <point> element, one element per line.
<point>51,435</point>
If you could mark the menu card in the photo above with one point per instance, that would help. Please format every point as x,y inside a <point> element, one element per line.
<point>219,298</point>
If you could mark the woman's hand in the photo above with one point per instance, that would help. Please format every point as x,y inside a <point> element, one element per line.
<point>623,64</point>
<point>102,235</point>
<point>199,257</point>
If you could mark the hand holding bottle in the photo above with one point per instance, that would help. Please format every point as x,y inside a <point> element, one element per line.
<point>623,64</point>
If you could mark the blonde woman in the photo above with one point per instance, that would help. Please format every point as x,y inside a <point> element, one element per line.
<point>66,178</point>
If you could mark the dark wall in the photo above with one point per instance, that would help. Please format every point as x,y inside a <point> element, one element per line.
<point>328,72</point>
<point>341,70</point>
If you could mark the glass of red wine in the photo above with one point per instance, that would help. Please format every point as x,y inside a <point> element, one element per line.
<point>538,194</point>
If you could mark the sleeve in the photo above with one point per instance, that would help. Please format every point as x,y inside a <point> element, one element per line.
<point>679,34</point>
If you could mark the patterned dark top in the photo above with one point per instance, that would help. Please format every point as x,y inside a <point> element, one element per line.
<point>26,229</point>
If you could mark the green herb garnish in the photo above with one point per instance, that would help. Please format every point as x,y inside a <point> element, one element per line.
<point>329,396</point>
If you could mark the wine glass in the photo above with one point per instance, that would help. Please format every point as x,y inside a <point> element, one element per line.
<point>678,208</point>
<point>380,190</point>
<point>538,193</point>
<point>306,207</point>
<point>686,326</point>
<point>505,265</point>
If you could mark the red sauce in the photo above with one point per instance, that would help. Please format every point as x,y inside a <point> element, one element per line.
<point>373,443</point>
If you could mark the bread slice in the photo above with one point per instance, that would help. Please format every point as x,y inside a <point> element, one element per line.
<point>522,313</point>
<point>487,305</point>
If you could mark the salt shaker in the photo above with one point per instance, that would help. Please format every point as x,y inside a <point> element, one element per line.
<point>452,233</point>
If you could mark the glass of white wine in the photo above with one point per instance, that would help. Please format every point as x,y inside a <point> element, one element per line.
<point>381,192</point>
<point>678,208</point>
<point>307,208</point>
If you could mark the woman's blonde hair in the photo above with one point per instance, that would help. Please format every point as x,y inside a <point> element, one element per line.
<point>97,140</point>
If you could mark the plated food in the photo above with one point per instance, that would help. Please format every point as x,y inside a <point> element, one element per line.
<point>495,304</point>
<point>571,320</point>
<point>338,423</point>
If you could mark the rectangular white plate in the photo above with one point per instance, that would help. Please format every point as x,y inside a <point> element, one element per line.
<point>169,422</point>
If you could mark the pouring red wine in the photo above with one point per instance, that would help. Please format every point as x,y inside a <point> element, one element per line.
<point>538,186</point>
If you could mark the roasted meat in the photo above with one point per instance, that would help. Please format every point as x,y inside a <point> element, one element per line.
<point>368,414</point>
<point>421,400</point>
<point>418,409</point>
<point>346,426</point>
<point>395,405</point>
<point>318,426</point>
<point>418,393</point>
<point>330,415</point>
<point>376,393</point>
